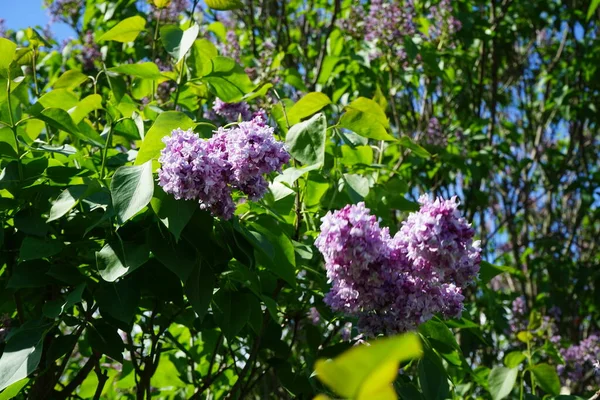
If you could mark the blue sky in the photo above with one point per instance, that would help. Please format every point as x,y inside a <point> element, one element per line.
<point>20,14</point>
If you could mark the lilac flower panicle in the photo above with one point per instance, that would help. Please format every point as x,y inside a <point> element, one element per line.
<point>2,27</point>
<point>439,242</point>
<point>67,11</point>
<point>434,135</point>
<point>230,112</point>
<point>90,52</point>
<point>314,316</point>
<point>207,170</point>
<point>393,284</point>
<point>191,169</point>
<point>170,14</point>
<point>580,359</point>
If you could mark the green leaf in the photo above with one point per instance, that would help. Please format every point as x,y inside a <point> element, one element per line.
<point>131,190</point>
<point>54,308</point>
<point>84,107</point>
<point>13,390</point>
<point>223,5</point>
<point>33,248</point>
<point>60,119</point>
<point>125,31</point>
<point>104,338</point>
<point>501,382</point>
<point>118,299</point>
<point>593,6</point>
<point>306,140</point>
<point>71,79</point>
<point>164,124</point>
<point>433,378</point>
<point>488,271</point>
<point>307,106</point>
<point>199,288</point>
<point>7,54</point>
<point>145,70</point>
<point>419,151</point>
<point>161,3</point>
<point>202,52</point>
<point>66,201</point>
<point>178,42</point>
<point>514,359</point>
<point>179,257</point>
<point>228,80</point>
<point>546,376</point>
<point>22,353</point>
<point>59,98</point>
<point>365,372</point>
<point>174,214</point>
<point>120,259</point>
<point>364,117</point>
<point>357,186</point>
<point>231,311</point>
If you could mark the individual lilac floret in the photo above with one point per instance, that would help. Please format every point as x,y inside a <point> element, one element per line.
<point>252,151</point>
<point>194,169</point>
<point>439,242</point>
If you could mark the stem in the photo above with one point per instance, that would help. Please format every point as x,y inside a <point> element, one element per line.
<point>106,146</point>
<point>529,363</point>
<point>180,77</point>
<point>13,126</point>
<point>154,40</point>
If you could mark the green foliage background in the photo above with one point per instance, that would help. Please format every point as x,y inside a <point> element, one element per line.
<point>113,289</point>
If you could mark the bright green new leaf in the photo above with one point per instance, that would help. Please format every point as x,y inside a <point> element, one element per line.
<point>7,54</point>
<point>84,107</point>
<point>13,390</point>
<point>514,359</point>
<point>546,376</point>
<point>145,70</point>
<point>178,42</point>
<point>366,118</point>
<point>366,371</point>
<point>70,80</point>
<point>223,5</point>
<point>59,98</point>
<point>161,3</point>
<point>125,31</point>
<point>501,382</point>
<point>306,140</point>
<point>164,124</point>
<point>202,52</point>
<point>131,190</point>
<point>593,6</point>
<point>307,106</point>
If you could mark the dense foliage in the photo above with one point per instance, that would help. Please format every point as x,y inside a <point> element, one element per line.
<point>241,198</point>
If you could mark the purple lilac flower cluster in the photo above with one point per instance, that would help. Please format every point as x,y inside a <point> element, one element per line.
<point>2,27</point>
<point>89,52</point>
<point>208,170</point>
<point>394,284</point>
<point>230,112</point>
<point>580,360</point>
<point>67,11</point>
<point>443,20</point>
<point>434,135</point>
<point>164,89</point>
<point>385,25</point>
